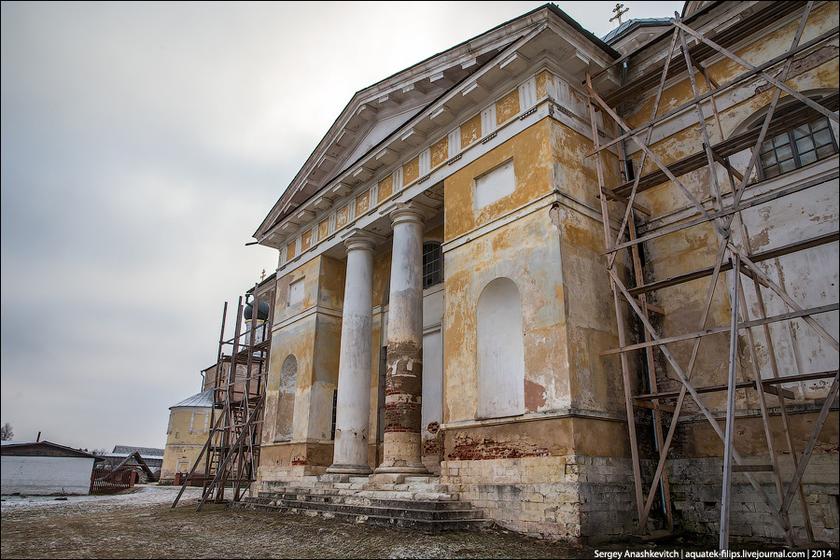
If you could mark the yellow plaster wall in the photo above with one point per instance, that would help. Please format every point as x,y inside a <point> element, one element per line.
<point>507,107</point>
<point>696,248</point>
<point>470,130</point>
<point>305,241</point>
<point>411,171</point>
<point>527,252</point>
<point>530,150</point>
<point>386,187</point>
<point>439,152</point>
<point>362,203</point>
<point>323,228</point>
<point>314,340</point>
<point>342,216</point>
<point>555,260</point>
<point>183,445</point>
<point>596,383</point>
<point>804,77</point>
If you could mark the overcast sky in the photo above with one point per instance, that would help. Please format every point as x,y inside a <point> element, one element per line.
<point>142,144</point>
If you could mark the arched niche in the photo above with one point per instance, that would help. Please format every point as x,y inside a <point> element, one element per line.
<point>501,354</point>
<point>286,399</point>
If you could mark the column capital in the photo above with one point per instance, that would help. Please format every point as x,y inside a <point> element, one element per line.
<point>407,213</point>
<point>359,239</point>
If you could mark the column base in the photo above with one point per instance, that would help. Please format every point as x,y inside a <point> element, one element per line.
<point>402,469</point>
<point>363,470</point>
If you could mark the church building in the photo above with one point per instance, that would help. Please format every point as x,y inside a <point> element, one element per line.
<point>490,261</point>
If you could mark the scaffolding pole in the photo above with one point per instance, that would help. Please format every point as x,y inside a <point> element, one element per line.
<point>721,211</point>
<point>231,453</point>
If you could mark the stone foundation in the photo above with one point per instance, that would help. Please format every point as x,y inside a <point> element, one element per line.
<point>562,497</point>
<point>696,491</point>
<point>582,498</point>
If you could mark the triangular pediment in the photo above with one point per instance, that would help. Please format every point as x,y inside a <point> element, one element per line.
<point>379,129</point>
<point>378,116</point>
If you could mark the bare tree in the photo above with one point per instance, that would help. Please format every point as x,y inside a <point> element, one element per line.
<point>99,451</point>
<point>6,432</point>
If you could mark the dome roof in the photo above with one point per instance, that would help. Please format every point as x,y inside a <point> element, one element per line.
<point>262,314</point>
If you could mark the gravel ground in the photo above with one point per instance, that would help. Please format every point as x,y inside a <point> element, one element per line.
<point>141,525</point>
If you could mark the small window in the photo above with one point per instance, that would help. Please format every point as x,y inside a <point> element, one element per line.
<point>296,292</point>
<point>432,264</point>
<point>495,184</point>
<point>797,147</point>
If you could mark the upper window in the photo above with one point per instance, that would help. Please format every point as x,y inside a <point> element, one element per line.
<point>797,147</point>
<point>432,264</point>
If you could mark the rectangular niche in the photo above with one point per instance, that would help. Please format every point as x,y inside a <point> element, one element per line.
<point>495,184</point>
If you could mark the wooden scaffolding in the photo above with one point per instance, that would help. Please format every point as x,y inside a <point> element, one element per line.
<point>231,453</point>
<point>721,209</point>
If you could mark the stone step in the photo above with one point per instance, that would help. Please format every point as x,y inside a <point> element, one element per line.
<point>413,487</point>
<point>378,493</point>
<point>426,525</point>
<point>388,511</point>
<point>429,479</point>
<point>363,483</point>
<point>400,500</point>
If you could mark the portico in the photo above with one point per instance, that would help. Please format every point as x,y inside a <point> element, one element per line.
<point>402,441</point>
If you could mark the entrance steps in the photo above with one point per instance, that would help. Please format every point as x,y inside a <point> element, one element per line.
<point>419,503</point>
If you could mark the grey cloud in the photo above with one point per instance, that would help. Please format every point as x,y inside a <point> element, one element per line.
<point>142,144</point>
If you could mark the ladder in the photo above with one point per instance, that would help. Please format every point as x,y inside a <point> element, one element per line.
<point>231,452</point>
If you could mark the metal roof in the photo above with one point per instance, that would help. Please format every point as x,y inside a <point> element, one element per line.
<point>17,448</point>
<point>631,24</point>
<point>126,450</point>
<point>202,399</point>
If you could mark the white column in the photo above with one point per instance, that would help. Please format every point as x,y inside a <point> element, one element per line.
<point>403,382</point>
<point>350,453</point>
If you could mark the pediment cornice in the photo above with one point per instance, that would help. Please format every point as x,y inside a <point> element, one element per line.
<point>469,72</point>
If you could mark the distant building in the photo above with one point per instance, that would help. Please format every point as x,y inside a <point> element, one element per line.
<point>151,456</point>
<point>189,424</point>
<point>44,468</point>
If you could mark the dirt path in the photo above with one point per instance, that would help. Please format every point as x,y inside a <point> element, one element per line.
<point>141,525</point>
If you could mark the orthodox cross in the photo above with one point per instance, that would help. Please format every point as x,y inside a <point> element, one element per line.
<point>619,11</point>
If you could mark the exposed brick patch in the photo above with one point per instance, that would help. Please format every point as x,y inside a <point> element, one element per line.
<point>469,449</point>
<point>431,446</point>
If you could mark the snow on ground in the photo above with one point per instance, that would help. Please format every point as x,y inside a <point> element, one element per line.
<point>142,494</point>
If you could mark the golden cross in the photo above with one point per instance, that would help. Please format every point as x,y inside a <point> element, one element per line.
<point>619,11</point>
